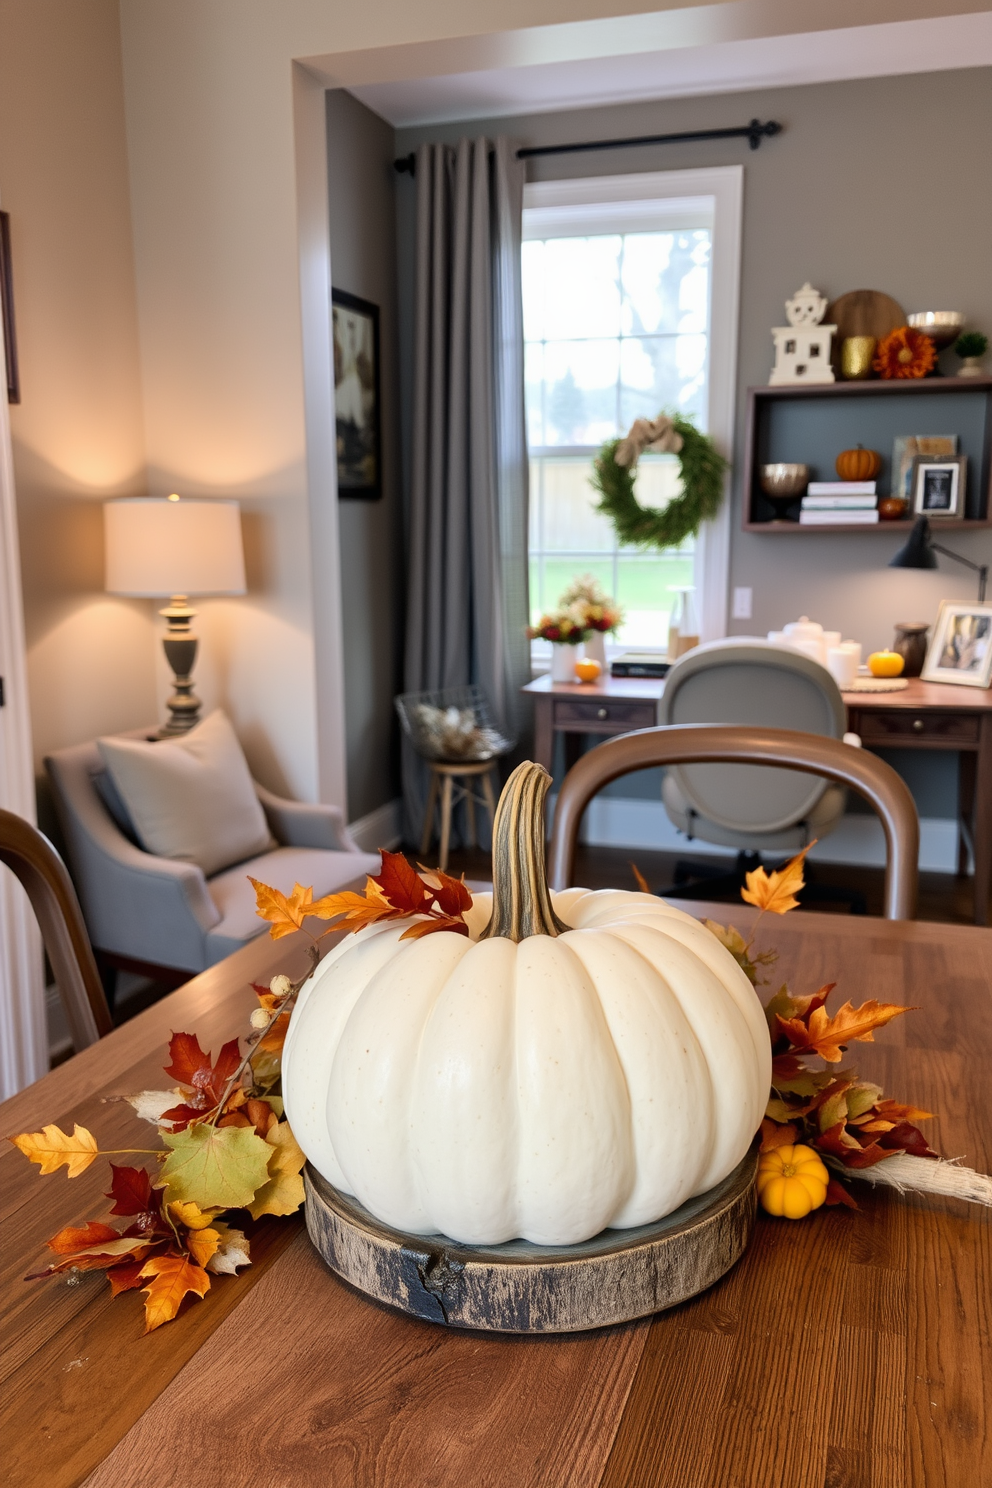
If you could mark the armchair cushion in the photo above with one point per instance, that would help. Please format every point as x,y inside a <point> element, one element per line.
<point>234,896</point>
<point>192,798</point>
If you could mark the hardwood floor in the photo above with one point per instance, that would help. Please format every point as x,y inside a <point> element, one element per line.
<point>943,896</point>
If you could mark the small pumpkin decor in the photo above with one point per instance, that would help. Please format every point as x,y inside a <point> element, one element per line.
<point>905,353</point>
<point>792,1181</point>
<point>569,1062</point>
<point>858,464</point>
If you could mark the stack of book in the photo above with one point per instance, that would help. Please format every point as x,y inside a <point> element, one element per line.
<point>836,503</point>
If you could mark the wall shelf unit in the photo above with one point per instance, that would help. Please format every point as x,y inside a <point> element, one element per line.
<point>811,425</point>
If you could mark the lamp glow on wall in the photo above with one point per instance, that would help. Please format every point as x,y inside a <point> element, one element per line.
<point>174,548</point>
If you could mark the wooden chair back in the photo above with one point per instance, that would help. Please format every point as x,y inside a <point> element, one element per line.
<point>33,860</point>
<point>815,754</point>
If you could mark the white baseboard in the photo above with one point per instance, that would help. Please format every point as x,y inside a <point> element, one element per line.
<point>380,828</point>
<point>613,821</point>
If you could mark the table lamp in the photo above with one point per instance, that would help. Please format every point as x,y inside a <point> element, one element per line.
<point>920,550</point>
<point>170,547</point>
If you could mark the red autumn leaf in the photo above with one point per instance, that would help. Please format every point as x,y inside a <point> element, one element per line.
<point>180,1116</point>
<point>405,889</point>
<point>451,894</point>
<point>906,1138</point>
<point>125,1278</point>
<point>72,1238</point>
<point>131,1190</point>
<point>227,1062</point>
<point>837,1140</point>
<point>188,1059</point>
<point>773,1135</point>
<point>256,1113</point>
<point>838,1194</point>
<point>428,927</point>
<point>786,1067</point>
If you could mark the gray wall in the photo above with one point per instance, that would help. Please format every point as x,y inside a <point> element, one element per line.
<point>879,183</point>
<point>363,262</point>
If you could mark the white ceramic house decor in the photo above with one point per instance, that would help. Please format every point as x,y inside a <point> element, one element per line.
<point>802,348</point>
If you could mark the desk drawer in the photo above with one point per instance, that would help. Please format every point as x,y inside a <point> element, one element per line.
<point>604,714</point>
<point>896,726</point>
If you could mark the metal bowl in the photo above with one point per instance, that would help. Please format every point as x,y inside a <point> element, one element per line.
<point>784,481</point>
<point>942,326</point>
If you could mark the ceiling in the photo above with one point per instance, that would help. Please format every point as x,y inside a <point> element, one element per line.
<point>680,66</point>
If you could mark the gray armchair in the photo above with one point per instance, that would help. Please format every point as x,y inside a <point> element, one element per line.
<point>143,911</point>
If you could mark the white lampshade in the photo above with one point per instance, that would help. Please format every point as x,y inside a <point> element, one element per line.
<point>163,546</point>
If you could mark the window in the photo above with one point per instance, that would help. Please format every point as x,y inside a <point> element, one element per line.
<point>619,291</point>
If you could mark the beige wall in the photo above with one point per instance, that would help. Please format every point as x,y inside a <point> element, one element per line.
<point>77,433</point>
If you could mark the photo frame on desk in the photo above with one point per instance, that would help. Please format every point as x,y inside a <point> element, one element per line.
<point>938,486</point>
<point>960,650</point>
<point>357,409</point>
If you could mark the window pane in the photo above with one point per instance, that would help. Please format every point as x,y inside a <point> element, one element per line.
<point>570,522</point>
<point>580,391</point>
<point>581,288</point>
<point>534,392</point>
<point>559,573</point>
<point>644,589</point>
<point>665,280</point>
<point>532,288</point>
<point>662,372</point>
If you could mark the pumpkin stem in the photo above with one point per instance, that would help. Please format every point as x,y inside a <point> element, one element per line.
<point>521,898</point>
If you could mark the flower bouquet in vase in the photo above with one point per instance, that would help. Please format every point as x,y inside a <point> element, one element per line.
<point>566,630</point>
<point>601,614</point>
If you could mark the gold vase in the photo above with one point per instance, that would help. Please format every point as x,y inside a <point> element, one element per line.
<point>856,353</point>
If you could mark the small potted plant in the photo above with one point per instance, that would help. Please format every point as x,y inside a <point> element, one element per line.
<point>971,346</point>
<point>566,629</point>
<point>600,613</point>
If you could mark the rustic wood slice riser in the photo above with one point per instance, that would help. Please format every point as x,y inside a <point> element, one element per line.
<point>523,1288</point>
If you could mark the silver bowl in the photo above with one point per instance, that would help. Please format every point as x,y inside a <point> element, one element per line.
<point>782,484</point>
<point>942,326</point>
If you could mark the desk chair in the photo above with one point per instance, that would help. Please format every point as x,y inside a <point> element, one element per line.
<point>33,859</point>
<point>786,749</point>
<point>754,683</point>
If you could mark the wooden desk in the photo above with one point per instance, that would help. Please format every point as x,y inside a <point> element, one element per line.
<point>612,705</point>
<point>925,715</point>
<point>845,1349</point>
<point>933,715</point>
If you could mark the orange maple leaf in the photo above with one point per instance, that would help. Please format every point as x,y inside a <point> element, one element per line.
<point>776,891</point>
<point>890,1110</point>
<point>773,1135</point>
<point>359,910</point>
<point>51,1147</point>
<point>170,1278</point>
<point>826,1036</point>
<point>286,914</point>
<point>639,879</point>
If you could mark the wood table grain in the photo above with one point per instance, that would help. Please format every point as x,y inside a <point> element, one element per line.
<point>846,1351</point>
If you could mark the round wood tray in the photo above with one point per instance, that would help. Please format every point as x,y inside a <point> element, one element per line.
<point>523,1288</point>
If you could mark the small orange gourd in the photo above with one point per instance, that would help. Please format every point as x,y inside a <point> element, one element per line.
<point>792,1182</point>
<point>886,663</point>
<point>858,464</point>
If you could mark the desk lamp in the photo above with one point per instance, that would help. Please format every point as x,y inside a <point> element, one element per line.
<point>171,548</point>
<point>920,550</point>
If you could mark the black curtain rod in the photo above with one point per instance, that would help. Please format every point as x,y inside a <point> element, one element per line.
<point>753,133</point>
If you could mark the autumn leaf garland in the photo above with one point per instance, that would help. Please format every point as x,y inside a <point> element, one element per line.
<point>226,1145</point>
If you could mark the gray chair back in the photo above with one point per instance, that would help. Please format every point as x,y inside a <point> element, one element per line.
<point>756,684</point>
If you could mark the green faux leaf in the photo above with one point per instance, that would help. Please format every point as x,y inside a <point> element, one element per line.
<point>861,1098</point>
<point>778,1110</point>
<point>215,1167</point>
<point>833,1110</point>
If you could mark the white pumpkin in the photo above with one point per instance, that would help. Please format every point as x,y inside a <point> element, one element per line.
<point>526,1081</point>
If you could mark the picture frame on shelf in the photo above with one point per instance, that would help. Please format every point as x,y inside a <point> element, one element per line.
<point>960,650</point>
<point>357,408</point>
<point>938,485</point>
<point>905,449</point>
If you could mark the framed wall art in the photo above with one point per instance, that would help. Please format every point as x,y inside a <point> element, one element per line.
<point>7,312</point>
<point>357,413</point>
<point>938,484</point>
<point>960,649</point>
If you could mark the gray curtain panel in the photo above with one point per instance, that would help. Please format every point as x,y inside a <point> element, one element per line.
<point>467,582</point>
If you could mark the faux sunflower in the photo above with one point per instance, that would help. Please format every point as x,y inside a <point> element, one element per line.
<point>905,353</point>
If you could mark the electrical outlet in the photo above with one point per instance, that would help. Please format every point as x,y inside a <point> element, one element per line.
<point>742,604</point>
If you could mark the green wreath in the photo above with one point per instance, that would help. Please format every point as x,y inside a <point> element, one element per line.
<point>702,469</point>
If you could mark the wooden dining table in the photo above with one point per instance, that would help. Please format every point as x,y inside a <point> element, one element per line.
<point>846,1350</point>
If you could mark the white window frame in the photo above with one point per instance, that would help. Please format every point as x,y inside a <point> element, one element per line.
<point>592,205</point>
